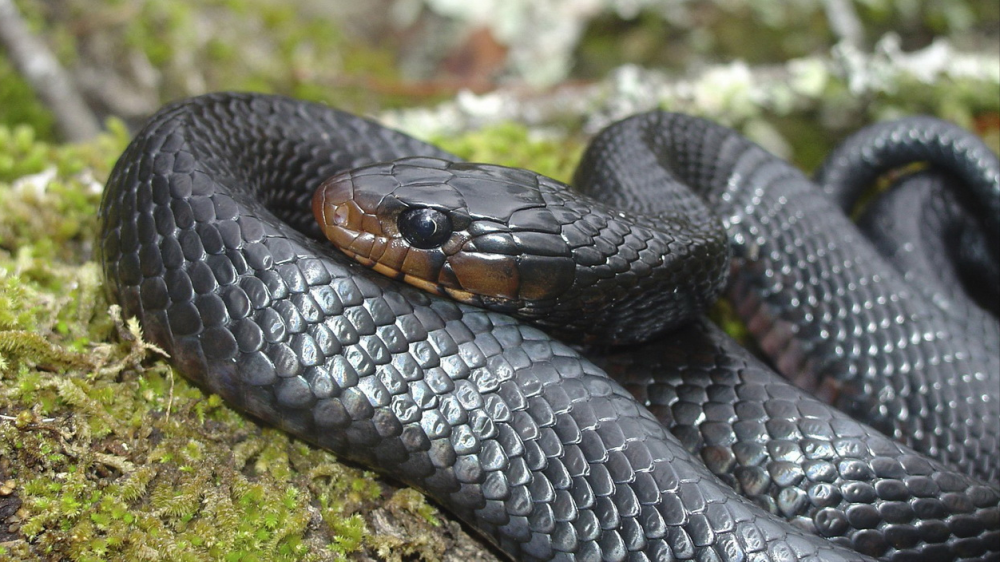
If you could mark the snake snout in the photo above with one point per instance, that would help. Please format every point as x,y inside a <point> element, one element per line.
<point>336,212</point>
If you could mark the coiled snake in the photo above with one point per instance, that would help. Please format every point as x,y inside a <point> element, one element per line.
<point>208,239</point>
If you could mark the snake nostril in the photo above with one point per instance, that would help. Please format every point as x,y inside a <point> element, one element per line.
<point>341,215</point>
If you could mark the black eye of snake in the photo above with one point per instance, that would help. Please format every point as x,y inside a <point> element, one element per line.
<point>424,227</point>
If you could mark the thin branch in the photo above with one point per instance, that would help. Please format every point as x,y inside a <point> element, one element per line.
<point>33,59</point>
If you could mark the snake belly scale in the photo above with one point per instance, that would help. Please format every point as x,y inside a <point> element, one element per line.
<point>208,239</point>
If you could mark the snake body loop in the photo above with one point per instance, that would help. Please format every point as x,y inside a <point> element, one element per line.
<point>944,240</point>
<point>820,299</point>
<point>208,239</point>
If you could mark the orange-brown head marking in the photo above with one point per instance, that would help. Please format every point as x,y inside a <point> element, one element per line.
<point>449,228</point>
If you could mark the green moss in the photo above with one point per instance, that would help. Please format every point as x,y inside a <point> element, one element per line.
<point>19,105</point>
<point>14,302</point>
<point>512,144</point>
<point>411,500</point>
<point>105,473</point>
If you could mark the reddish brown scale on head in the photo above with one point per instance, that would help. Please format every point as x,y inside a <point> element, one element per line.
<point>487,274</point>
<point>443,228</point>
<point>343,222</point>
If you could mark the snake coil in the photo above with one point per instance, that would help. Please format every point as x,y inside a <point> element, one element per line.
<point>208,239</point>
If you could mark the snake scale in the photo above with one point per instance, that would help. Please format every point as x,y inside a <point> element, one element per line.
<point>207,237</point>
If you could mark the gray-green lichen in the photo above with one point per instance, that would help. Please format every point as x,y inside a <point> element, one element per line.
<point>131,56</point>
<point>547,41</point>
<point>839,91</point>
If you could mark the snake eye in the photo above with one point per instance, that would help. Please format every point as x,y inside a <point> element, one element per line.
<point>424,227</point>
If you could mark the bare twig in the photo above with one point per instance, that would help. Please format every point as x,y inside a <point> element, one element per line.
<point>33,59</point>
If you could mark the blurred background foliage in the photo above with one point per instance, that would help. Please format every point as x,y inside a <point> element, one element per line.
<point>130,56</point>
<point>106,455</point>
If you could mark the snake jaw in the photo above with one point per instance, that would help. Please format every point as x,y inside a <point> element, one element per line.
<point>441,289</point>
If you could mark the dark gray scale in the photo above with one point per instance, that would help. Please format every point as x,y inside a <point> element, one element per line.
<point>862,335</point>
<point>855,165</point>
<point>801,460</point>
<point>926,226</point>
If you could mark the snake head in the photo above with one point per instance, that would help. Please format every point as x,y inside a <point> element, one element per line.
<point>478,233</point>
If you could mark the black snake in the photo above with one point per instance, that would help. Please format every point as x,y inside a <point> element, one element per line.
<point>208,239</point>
